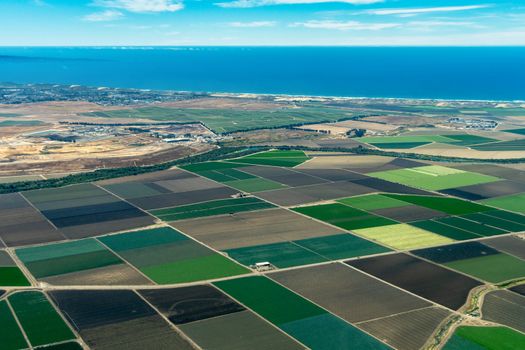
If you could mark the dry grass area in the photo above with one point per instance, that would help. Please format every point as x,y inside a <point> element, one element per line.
<point>338,162</point>
<point>223,103</point>
<point>341,128</point>
<point>412,121</point>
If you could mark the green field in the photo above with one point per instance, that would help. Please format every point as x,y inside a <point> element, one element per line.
<point>308,323</point>
<point>444,230</point>
<point>447,205</point>
<point>60,258</point>
<point>373,202</point>
<point>514,202</point>
<point>257,184</point>
<point>6,123</point>
<point>273,302</point>
<point>227,174</point>
<point>474,227</point>
<point>469,140</point>
<point>341,246</point>
<point>399,145</point>
<point>283,254</point>
<point>514,145</point>
<point>39,319</point>
<point>485,338</point>
<point>197,269</point>
<point>344,216</point>
<point>217,207</point>
<point>402,236</point>
<point>11,276</point>
<point>209,166</point>
<point>491,268</point>
<point>166,256</point>
<point>433,178</point>
<point>516,131</point>
<point>12,337</point>
<point>230,120</point>
<point>274,158</point>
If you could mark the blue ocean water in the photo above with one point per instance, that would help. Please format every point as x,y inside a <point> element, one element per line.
<point>483,73</point>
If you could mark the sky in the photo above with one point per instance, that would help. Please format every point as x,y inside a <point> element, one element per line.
<point>262,23</point>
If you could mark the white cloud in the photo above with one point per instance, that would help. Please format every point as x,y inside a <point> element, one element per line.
<point>405,11</point>
<point>104,16</point>
<point>142,6</point>
<point>257,3</point>
<point>344,25</point>
<point>255,24</point>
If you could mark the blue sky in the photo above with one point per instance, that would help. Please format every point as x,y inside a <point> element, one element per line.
<point>261,22</point>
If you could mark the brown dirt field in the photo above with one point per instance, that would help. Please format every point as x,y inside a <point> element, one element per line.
<point>338,162</point>
<point>223,102</point>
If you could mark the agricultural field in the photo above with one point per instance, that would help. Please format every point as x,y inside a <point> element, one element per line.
<point>279,249</point>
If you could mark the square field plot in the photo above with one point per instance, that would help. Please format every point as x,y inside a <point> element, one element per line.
<point>420,277</point>
<point>22,224</point>
<point>212,208</point>
<point>348,293</point>
<point>84,262</point>
<point>39,319</point>
<point>253,228</point>
<point>10,274</point>
<point>167,256</point>
<point>506,308</point>
<point>402,236</point>
<point>99,315</point>
<point>308,323</point>
<point>476,259</point>
<point>434,177</point>
<point>343,216</point>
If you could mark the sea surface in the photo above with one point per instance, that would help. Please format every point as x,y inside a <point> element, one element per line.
<point>478,73</point>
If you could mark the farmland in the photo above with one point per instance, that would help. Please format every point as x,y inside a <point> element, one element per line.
<point>279,249</point>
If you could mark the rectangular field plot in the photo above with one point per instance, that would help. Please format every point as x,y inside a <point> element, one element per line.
<point>452,206</point>
<point>514,145</point>
<point>21,224</point>
<point>471,226</point>
<point>402,236</point>
<point>284,254</point>
<point>420,278</point>
<point>86,210</point>
<point>476,259</point>
<point>253,228</point>
<point>101,315</point>
<point>373,202</point>
<point>506,308</point>
<point>212,208</point>
<point>488,219</point>
<point>489,338</point>
<point>487,190</point>
<point>274,158</point>
<point>12,337</point>
<point>343,216</point>
<point>214,320</point>
<point>451,232</point>
<point>434,177</point>
<point>508,244</point>
<point>39,319</point>
<point>314,193</point>
<point>515,202</point>
<point>167,256</point>
<point>408,330</point>
<point>10,274</point>
<point>348,293</point>
<point>284,176</point>
<point>308,323</point>
<point>409,213</point>
<point>256,184</point>
<point>85,262</point>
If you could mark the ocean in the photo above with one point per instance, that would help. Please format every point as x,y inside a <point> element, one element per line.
<point>475,73</point>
